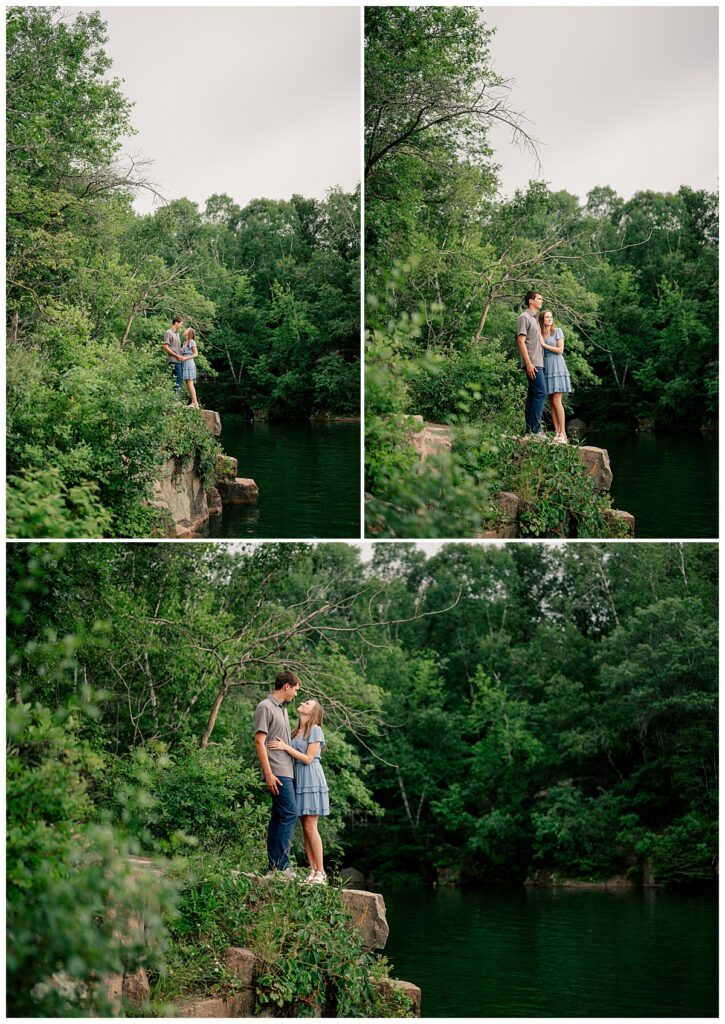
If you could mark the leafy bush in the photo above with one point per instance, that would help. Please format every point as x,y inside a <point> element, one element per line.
<point>337,384</point>
<point>86,441</point>
<point>559,498</point>
<point>577,834</point>
<point>70,895</point>
<point>685,852</point>
<point>188,795</point>
<point>446,496</point>
<point>39,504</point>
<point>478,383</point>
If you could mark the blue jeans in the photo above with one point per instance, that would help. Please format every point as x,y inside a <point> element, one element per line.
<point>535,401</point>
<point>177,369</point>
<point>282,824</point>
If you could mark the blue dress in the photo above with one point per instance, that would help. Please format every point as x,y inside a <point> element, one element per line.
<point>313,796</point>
<point>555,371</point>
<point>188,365</point>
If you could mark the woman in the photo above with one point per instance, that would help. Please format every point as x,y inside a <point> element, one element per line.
<point>555,372</point>
<point>313,796</point>
<point>188,351</point>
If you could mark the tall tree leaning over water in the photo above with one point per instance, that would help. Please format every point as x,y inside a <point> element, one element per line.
<point>272,291</point>
<point>633,282</point>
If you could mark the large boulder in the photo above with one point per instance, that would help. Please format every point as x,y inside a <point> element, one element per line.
<point>368,915</point>
<point>239,491</point>
<point>212,421</point>
<point>596,463</point>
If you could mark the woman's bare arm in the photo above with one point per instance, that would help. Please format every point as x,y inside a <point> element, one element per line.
<point>312,751</point>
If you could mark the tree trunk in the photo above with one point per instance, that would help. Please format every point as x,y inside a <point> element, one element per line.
<point>14,324</point>
<point>482,324</point>
<point>213,715</point>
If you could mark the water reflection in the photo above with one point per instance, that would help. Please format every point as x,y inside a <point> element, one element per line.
<point>308,476</point>
<point>531,953</point>
<point>669,482</point>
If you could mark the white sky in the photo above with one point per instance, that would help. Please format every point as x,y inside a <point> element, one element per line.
<point>250,101</point>
<point>619,96</point>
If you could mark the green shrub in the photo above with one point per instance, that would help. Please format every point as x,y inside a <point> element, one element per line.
<point>70,895</point>
<point>559,498</point>
<point>40,504</point>
<point>577,834</point>
<point>188,795</point>
<point>476,383</point>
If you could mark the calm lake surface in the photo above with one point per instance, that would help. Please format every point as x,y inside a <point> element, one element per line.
<point>308,476</point>
<point>669,482</point>
<point>517,952</point>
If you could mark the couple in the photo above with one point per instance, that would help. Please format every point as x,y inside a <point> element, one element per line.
<point>292,770</point>
<point>541,345</point>
<point>181,357</point>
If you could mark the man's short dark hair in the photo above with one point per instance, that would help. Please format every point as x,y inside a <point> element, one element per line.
<point>178,320</point>
<point>286,679</point>
<point>529,296</point>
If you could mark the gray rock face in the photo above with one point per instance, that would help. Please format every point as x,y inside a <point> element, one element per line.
<point>368,915</point>
<point>239,491</point>
<point>180,495</point>
<point>215,502</point>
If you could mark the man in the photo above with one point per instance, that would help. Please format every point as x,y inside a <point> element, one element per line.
<point>271,722</point>
<point>172,348</point>
<point>528,338</point>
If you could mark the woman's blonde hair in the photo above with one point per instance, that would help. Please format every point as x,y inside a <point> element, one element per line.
<point>542,314</point>
<point>316,717</point>
<point>191,334</point>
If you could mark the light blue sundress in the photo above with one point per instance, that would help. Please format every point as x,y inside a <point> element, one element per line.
<point>555,371</point>
<point>189,365</point>
<point>311,792</point>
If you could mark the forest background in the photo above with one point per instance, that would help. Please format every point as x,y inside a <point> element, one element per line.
<point>492,713</point>
<point>272,290</point>
<point>633,282</point>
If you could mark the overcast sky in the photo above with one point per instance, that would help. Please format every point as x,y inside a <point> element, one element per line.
<point>619,96</point>
<point>251,101</point>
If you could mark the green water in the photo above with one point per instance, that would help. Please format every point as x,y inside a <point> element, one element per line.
<point>516,952</point>
<point>308,476</point>
<point>669,482</point>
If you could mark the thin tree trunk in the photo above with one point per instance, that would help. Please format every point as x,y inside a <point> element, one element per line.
<point>213,715</point>
<point>14,324</point>
<point>482,323</point>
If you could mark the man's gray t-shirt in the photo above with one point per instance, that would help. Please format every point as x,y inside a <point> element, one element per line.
<point>171,338</point>
<point>528,324</point>
<point>271,717</point>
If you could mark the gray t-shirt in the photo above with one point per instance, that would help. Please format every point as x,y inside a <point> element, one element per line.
<point>171,338</point>
<point>271,717</point>
<point>528,324</point>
